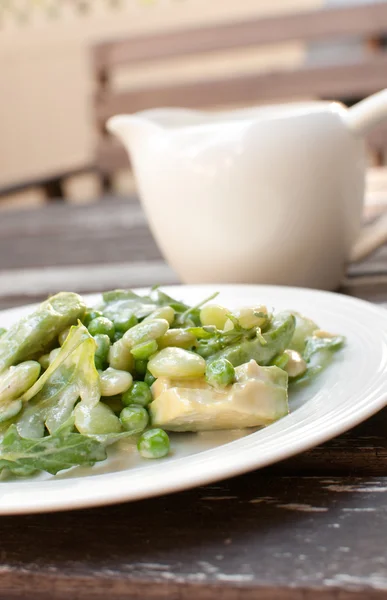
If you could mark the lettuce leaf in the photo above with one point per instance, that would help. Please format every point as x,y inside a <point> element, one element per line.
<point>72,375</point>
<point>60,450</point>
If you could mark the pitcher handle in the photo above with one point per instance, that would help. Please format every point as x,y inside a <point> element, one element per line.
<point>367,113</point>
<point>371,238</point>
<point>360,118</point>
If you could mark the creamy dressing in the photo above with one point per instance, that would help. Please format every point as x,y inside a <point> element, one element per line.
<point>258,397</point>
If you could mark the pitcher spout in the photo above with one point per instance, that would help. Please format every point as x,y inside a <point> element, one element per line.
<point>132,130</point>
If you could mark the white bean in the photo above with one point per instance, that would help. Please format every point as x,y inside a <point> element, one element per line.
<point>176,362</point>
<point>247,317</point>
<point>296,365</point>
<point>214,314</point>
<point>120,357</point>
<point>164,312</point>
<point>114,382</point>
<point>145,331</point>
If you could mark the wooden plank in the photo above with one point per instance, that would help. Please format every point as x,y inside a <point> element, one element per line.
<point>334,81</point>
<point>369,20</point>
<point>361,451</point>
<point>111,156</point>
<point>378,137</point>
<point>108,232</point>
<point>257,536</point>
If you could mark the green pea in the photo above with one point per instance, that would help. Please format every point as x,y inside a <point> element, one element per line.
<point>281,360</point>
<point>145,350</point>
<point>90,315</point>
<point>140,366</point>
<point>44,361</point>
<point>101,325</point>
<point>153,443</point>
<point>102,350</point>
<point>139,393</point>
<point>2,331</point>
<point>149,379</point>
<point>117,336</point>
<point>124,321</point>
<point>113,402</point>
<point>134,418</point>
<point>220,373</point>
<point>100,365</point>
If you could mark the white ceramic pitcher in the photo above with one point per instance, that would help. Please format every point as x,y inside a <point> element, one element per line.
<point>272,194</point>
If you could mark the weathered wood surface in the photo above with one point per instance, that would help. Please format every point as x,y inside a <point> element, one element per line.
<point>312,527</point>
<point>370,20</point>
<point>257,536</point>
<point>351,80</point>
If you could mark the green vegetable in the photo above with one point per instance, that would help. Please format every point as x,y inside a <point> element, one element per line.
<point>281,360</point>
<point>304,328</point>
<point>140,367</point>
<point>150,336</point>
<point>61,450</point>
<point>14,381</point>
<point>101,325</point>
<point>72,375</point>
<point>102,350</point>
<point>191,316</point>
<point>90,315</point>
<point>124,320</point>
<point>134,418</point>
<point>318,354</point>
<point>113,402</point>
<point>220,373</point>
<point>243,347</point>
<point>32,335</point>
<point>145,350</point>
<point>149,379</point>
<point>117,301</point>
<point>153,443</point>
<point>316,344</point>
<point>2,331</point>
<point>17,380</point>
<point>139,393</point>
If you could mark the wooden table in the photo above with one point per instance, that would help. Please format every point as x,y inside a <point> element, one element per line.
<point>313,527</point>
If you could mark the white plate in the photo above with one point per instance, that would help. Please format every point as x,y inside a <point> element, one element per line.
<point>353,388</point>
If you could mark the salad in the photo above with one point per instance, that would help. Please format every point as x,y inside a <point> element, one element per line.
<point>75,379</point>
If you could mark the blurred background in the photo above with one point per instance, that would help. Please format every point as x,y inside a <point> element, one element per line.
<point>66,65</point>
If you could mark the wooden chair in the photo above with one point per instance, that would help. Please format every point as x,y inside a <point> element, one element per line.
<point>347,81</point>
